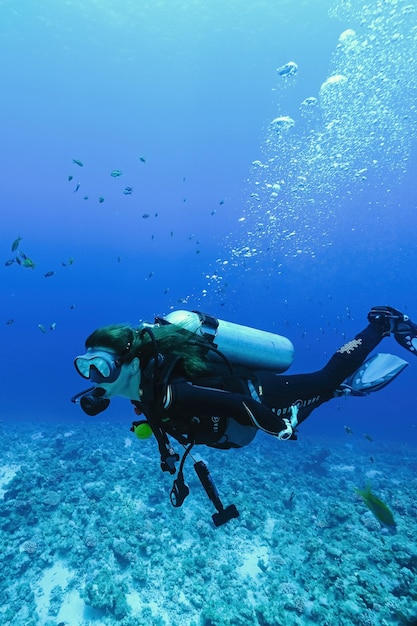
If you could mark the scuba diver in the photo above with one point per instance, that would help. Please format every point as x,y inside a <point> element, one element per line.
<point>201,380</point>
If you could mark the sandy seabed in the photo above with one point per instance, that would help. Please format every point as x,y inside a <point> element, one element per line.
<point>89,536</point>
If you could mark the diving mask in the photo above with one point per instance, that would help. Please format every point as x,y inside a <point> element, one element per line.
<point>99,366</point>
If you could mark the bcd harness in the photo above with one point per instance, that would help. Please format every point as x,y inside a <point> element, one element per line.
<point>156,376</point>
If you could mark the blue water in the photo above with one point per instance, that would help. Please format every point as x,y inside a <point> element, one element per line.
<point>298,231</point>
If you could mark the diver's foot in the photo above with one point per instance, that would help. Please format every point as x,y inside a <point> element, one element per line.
<point>394,322</point>
<point>386,318</point>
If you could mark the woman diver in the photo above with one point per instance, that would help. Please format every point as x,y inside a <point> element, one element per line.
<point>204,381</point>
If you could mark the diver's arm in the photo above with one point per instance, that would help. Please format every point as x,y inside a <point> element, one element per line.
<point>184,398</point>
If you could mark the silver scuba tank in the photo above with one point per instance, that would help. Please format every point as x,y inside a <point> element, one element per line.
<point>241,345</point>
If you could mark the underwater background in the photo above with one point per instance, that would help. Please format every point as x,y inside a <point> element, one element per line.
<point>153,159</point>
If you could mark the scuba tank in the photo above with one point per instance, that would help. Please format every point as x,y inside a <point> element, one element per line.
<point>241,345</point>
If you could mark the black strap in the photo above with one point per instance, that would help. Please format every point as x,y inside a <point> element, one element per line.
<point>209,326</point>
<point>161,370</point>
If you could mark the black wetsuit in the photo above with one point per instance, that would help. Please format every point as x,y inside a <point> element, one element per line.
<point>225,411</point>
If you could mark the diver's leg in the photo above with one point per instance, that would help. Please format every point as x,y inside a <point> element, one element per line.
<point>308,391</point>
<point>280,392</point>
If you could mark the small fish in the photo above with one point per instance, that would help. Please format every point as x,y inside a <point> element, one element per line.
<point>377,507</point>
<point>128,191</point>
<point>69,262</point>
<point>28,263</point>
<point>101,199</point>
<point>9,262</point>
<point>77,187</point>
<point>85,198</point>
<point>72,306</point>
<point>221,202</point>
<point>53,326</point>
<point>142,159</point>
<point>78,162</point>
<point>22,255</point>
<point>348,430</point>
<point>70,178</point>
<point>368,437</point>
<point>42,328</point>
<point>48,274</point>
<point>145,216</point>
<point>9,322</point>
<point>116,173</point>
<point>119,259</point>
<point>18,261</point>
<point>16,243</point>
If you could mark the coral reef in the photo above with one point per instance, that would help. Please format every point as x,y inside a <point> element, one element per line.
<point>89,535</point>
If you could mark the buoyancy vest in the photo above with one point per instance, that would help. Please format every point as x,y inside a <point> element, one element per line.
<point>155,380</point>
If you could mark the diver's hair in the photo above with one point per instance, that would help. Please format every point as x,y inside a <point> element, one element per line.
<point>128,342</point>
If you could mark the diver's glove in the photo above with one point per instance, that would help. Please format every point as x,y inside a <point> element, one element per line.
<point>394,322</point>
